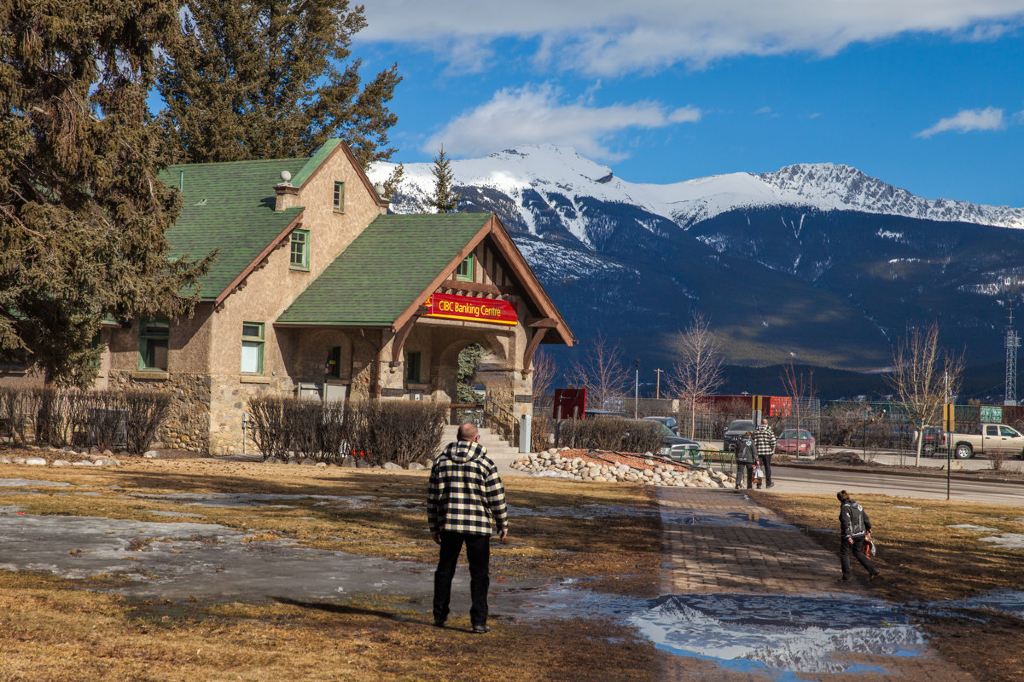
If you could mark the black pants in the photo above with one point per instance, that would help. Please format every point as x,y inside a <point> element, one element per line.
<point>478,550</point>
<point>766,460</point>
<point>858,551</point>
<point>740,468</point>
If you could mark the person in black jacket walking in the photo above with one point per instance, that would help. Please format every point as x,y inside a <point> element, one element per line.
<point>745,460</point>
<point>465,505</point>
<point>854,529</point>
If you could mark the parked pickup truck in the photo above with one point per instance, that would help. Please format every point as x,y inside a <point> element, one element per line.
<point>990,439</point>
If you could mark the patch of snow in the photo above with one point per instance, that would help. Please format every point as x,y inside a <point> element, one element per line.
<point>971,526</point>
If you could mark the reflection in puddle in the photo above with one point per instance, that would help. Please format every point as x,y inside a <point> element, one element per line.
<point>753,519</point>
<point>746,633</point>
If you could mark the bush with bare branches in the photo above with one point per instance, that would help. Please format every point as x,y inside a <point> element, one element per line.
<point>614,434</point>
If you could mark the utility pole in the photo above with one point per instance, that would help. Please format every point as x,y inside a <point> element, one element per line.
<point>636,389</point>
<point>1012,344</point>
<point>657,384</point>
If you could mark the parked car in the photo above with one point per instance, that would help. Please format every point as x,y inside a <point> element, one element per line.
<point>593,412</point>
<point>795,442</point>
<point>670,422</point>
<point>679,448</point>
<point>990,439</point>
<point>934,440</point>
<point>734,432</point>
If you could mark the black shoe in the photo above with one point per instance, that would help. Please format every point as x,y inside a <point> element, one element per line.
<point>480,629</point>
<point>844,579</point>
<point>874,576</point>
<point>438,623</point>
<point>770,485</point>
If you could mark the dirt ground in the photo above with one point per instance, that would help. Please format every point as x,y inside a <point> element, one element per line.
<point>51,628</point>
<point>923,558</point>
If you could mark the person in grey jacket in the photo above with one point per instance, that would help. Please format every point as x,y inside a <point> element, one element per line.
<point>745,460</point>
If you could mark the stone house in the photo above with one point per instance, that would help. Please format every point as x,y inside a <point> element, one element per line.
<point>317,292</point>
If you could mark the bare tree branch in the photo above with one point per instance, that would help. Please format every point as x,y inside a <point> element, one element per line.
<point>799,388</point>
<point>697,372</point>
<point>601,372</point>
<point>924,377</point>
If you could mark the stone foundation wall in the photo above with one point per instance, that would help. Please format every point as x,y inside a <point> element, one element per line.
<point>229,401</point>
<point>187,426</point>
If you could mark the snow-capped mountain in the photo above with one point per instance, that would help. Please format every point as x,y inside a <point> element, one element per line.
<point>817,263</point>
<point>560,176</point>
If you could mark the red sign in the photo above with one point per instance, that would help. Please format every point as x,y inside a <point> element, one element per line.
<point>470,309</point>
<point>780,407</point>
<point>570,403</point>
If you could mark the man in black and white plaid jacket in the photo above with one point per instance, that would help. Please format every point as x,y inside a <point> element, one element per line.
<point>465,505</point>
<point>764,448</point>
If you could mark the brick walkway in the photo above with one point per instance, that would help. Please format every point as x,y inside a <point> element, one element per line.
<point>722,542</point>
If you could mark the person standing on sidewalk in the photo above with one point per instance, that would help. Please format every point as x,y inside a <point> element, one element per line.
<point>764,447</point>
<point>854,529</point>
<point>745,460</point>
<point>465,506</point>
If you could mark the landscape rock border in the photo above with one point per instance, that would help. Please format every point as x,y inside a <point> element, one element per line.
<point>582,466</point>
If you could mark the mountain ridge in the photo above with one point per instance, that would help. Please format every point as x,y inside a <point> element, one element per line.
<point>819,264</point>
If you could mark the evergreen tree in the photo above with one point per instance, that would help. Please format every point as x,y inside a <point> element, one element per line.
<point>444,200</point>
<point>82,214</point>
<point>468,363</point>
<point>271,80</point>
<point>394,181</point>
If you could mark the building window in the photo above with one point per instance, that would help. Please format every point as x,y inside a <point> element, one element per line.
<point>413,363</point>
<point>300,250</point>
<point>464,273</point>
<point>333,368</point>
<point>153,335</point>
<point>339,196</point>
<point>252,348</point>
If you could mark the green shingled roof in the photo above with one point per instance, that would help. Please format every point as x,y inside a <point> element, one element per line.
<point>383,270</point>
<point>229,208</point>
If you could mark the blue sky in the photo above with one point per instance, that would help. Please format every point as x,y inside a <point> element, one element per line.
<point>925,94</point>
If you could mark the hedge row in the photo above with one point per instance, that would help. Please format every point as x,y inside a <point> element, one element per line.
<point>373,431</point>
<point>610,433</point>
<point>63,417</point>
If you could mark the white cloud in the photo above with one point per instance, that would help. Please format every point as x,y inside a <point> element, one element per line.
<point>967,120</point>
<point>602,37</point>
<point>538,115</point>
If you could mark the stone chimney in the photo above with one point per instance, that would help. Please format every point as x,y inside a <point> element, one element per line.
<point>286,193</point>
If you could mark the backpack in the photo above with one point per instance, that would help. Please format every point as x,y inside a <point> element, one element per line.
<point>855,513</point>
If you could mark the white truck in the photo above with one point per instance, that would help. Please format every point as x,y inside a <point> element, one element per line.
<point>989,440</point>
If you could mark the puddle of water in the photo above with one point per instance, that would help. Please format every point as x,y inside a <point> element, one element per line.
<point>690,517</point>
<point>1007,540</point>
<point>779,634</point>
<point>1010,602</point>
<point>183,560</point>
<point>30,483</point>
<point>971,526</point>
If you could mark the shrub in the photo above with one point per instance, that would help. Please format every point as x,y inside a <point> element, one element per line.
<point>376,431</point>
<point>610,433</point>
<point>104,419</point>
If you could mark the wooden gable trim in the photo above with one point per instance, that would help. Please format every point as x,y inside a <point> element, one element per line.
<point>520,270</point>
<point>263,255</point>
<point>358,169</point>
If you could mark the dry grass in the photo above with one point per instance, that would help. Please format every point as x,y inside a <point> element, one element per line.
<point>923,559</point>
<point>53,629</point>
<point>622,553</point>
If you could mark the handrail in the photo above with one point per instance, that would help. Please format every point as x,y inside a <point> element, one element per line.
<point>501,419</point>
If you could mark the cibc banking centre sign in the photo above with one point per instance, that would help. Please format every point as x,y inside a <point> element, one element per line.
<point>470,309</point>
